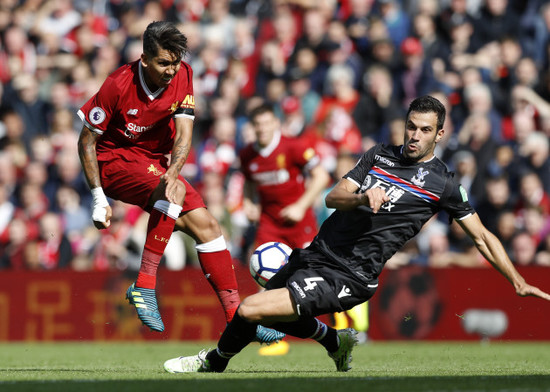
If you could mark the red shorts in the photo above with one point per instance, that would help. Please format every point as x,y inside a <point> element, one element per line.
<point>297,236</point>
<point>133,176</point>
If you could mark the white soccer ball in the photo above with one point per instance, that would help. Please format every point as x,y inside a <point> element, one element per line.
<point>267,259</point>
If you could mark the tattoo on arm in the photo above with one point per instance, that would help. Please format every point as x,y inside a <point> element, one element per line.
<point>88,157</point>
<point>182,144</point>
<point>179,154</point>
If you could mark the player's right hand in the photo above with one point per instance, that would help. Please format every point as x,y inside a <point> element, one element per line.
<point>101,211</point>
<point>101,216</point>
<point>375,197</point>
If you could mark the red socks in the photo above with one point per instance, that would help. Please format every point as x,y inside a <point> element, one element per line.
<point>159,230</point>
<point>218,269</point>
<point>215,259</point>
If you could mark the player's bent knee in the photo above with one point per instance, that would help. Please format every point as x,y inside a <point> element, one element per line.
<point>211,228</point>
<point>248,312</point>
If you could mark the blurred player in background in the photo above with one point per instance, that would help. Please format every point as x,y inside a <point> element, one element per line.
<point>275,191</point>
<point>143,113</point>
<point>380,204</point>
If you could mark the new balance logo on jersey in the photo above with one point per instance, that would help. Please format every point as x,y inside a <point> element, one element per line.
<point>345,292</point>
<point>418,179</point>
<point>132,112</point>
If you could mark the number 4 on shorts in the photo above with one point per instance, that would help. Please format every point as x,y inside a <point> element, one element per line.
<point>310,283</point>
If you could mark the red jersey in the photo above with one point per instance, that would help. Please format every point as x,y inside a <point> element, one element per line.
<point>128,115</point>
<point>277,172</point>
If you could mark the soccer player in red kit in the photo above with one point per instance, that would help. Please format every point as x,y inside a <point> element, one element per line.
<point>142,114</point>
<point>273,167</point>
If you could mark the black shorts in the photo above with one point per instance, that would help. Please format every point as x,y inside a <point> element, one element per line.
<point>320,286</point>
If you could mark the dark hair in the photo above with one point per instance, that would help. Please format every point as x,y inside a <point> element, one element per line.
<point>164,35</point>
<point>428,104</point>
<point>261,109</point>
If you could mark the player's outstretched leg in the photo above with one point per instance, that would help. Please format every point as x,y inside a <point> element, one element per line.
<point>342,357</point>
<point>145,303</point>
<point>236,336</point>
<point>192,364</point>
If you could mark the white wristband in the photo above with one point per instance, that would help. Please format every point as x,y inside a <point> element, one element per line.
<point>99,213</point>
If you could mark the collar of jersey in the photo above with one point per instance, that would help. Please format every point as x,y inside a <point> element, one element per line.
<point>150,95</point>
<point>267,150</point>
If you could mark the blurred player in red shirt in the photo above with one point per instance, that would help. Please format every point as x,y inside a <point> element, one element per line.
<point>273,167</point>
<point>143,114</point>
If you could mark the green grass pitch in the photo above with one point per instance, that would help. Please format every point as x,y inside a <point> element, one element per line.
<point>377,366</point>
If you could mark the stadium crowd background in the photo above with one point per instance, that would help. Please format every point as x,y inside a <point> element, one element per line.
<point>340,73</point>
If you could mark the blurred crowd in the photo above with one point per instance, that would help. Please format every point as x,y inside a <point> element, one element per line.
<point>339,72</point>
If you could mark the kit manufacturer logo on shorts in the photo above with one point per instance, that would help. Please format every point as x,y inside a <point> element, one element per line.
<point>97,115</point>
<point>298,289</point>
<point>345,292</point>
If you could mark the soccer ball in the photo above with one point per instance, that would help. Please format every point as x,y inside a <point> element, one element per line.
<point>267,259</point>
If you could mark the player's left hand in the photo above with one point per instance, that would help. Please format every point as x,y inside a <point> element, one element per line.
<point>527,290</point>
<point>174,190</point>
<point>292,213</point>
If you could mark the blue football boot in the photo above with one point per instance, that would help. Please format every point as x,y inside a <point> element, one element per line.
<point>145,302</point>
<point>267,335</point>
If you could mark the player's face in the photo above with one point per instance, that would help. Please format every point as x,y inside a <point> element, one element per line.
<point>161,69</point>
<point>265,125</point>
<point>421,136</point>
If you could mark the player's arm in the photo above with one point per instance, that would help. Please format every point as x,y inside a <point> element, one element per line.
<point>101,211</point>
<point>251,209</point>
<point>344,197</point>
<point>491,248</point>
<point>180,151</point>
<point>318,181</point>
